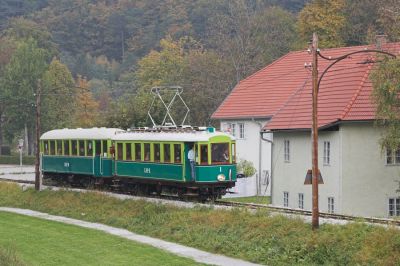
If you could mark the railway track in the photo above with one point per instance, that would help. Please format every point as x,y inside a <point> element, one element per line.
<point>255,206</point>
<point>308,213</point>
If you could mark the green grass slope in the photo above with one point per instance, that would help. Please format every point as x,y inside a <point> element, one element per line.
<point>41,242</point>
<point>258,237</point>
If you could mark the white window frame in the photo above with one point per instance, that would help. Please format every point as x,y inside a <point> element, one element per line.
<point>392,157</point>
<point>286,151</point>
<point>331,205</point>
<point>231,129</point>
<point>394,207</point>
<point>285,199</point>
<point>301,200</point>
<point>241,131</point>
<point>327,153</point>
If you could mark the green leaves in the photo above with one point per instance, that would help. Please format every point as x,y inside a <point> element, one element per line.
<point>386,83</point>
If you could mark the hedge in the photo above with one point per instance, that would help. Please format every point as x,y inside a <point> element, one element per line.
<point>14,159</point>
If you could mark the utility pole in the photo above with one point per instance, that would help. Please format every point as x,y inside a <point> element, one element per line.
<point>314,132</point>
<point>38,179</point>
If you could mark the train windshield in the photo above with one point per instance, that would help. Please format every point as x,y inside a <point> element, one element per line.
<point>220,153</point>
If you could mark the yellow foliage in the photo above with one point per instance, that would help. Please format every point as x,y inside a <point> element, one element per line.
<point>325,18</point>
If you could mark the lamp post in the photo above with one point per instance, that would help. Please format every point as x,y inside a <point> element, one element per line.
<point>316,82</point>
<point>314,132</point>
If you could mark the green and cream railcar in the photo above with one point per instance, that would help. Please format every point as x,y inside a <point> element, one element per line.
<point>77,153</point>
<point>162,158</point>
<point>142,161</point>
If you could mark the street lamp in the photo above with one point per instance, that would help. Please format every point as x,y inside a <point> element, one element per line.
<point>314,131</point>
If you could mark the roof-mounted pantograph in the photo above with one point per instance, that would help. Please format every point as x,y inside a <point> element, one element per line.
<point>168,120</point>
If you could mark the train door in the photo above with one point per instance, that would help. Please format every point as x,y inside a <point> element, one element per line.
<point>190,157</point>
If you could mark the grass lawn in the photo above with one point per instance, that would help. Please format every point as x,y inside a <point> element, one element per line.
<point>253,236</point>
<point>254,199</point>
<point>42,242</point>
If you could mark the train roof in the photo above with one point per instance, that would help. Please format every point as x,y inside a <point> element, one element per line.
<point>81,133</point>
<point>181,136</point>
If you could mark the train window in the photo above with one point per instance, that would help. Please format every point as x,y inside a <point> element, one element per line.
<point>203,154</point>
<point>66,147</point>
<point>119,151</point>
<point>89,148</point>
<point>167,153</point>
<point>104,148</point>
<point>177,153</point>
<point>138,152</point>
<point>59,147</point>
<point>128,150</point>
<point>233,150</point>
<point>147,151</point>
<point>97,144</point>
<point>46,147</point>
<point>220,153</point>
<point>52,147</point>
<point>74,147</point>
<point>157,155</point>
<point>81,144</point>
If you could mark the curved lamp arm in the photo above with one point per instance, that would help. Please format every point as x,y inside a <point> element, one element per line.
<point>340,58</point>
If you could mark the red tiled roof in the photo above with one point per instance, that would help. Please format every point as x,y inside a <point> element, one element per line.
<point>282,90</point>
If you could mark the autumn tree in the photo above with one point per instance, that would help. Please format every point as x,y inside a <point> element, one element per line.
<point>86,109</point>
<point>325,18</point>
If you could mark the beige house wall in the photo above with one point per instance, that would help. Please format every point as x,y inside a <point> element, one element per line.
<point>251,148</point>
<point>357,178</point>
<point>368,182</point>
<point>290,176</point>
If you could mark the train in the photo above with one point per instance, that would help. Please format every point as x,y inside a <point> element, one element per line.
<point>142,161</point>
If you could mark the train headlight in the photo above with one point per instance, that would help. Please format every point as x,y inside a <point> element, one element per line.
<point>221,177</point>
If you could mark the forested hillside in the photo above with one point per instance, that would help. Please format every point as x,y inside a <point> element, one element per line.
<point>97,59</point>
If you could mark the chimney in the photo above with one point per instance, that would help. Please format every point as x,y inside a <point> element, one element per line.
<point>381,40</point>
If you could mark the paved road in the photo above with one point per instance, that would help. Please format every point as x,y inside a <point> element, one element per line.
<point>16,172</point>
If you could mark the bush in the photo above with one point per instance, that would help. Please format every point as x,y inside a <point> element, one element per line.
<point>5,150</point>
<point>14,159</point>
<point>246,168</point>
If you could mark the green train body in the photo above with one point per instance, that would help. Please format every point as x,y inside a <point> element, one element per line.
<point>142,161</point>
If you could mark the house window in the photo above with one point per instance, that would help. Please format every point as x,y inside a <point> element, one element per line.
<point>286,152</point>
<point>331,205</point>
<point>392,156</point>
<point>301,201</point>
<point>394,206</point>
<point>327,152</point>
<point>232,129</point>
<point>285,199</point>
<point>241,130</point>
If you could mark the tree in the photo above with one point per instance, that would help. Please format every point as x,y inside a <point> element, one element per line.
<point>86,109</point>
<point>20,81</point>
<point>58,90</point>
<point>325,18</point>
<point>389,18</point>
<point>251,36</point>
<point>22,29</point>
<point>386,84</point>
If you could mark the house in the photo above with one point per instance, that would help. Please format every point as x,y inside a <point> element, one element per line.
<point>359,178</point>
<point>247,109</point>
